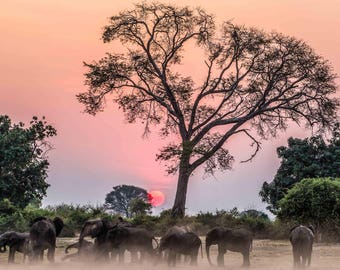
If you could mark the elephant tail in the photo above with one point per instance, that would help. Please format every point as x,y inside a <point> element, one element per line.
<point>201,250</point>
<point>251,245</point>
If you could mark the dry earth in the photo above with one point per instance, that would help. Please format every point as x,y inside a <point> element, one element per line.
<point>266,254</point>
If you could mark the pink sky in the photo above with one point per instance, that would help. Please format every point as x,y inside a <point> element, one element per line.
<point>43,44</point>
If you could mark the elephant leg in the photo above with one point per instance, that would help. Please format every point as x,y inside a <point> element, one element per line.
<point>309,260</point>
<point>114,254</point>
<point>246,261</point>
<point>296,257</point>
<point>134,256</point>
<point>172,258</point>
<point>142,256</point>
<point>121,255</point>
<point>220,256</point>
<point>40,254</point>
<point>303,264</point>
<point>178,258</point>
<point>309,255</point>
<point>194,257</point>
<point>11,254</point>
<point>50,254</point>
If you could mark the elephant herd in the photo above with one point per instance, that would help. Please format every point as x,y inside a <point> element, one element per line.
<point>112,239</point>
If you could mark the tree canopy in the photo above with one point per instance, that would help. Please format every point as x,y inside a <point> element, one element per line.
<point>255,84</point>
<point>140,207</point>
<point>23,160</point>
<point>302,158</point>
<point>314,200</point>
<point>126,199</point>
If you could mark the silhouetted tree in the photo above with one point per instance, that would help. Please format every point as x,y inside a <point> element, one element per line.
<point>120,198</point>
<point>23,160</point>
<point>302,158</point>
<point>255,83</point>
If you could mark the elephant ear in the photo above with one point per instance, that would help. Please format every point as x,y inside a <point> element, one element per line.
<point>108,224</point>
<point>58,224</point>
<point>311,227</point>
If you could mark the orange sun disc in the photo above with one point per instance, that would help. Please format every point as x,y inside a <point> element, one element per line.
<point>156,197</point>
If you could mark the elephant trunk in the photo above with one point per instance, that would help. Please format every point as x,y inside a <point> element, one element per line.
<point>75,245</point>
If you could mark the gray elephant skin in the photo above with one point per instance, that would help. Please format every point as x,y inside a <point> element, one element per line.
<point>16,241</point>
<point>133,239</point>
<point>236,240</point>
<point>96,229</point>
<point>302,238</point>
<point>43,233</point>
<point>178,241</point>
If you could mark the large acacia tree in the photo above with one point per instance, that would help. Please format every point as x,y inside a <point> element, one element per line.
<point>255,84</point>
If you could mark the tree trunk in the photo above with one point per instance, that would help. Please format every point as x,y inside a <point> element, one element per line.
<point>178,210</point>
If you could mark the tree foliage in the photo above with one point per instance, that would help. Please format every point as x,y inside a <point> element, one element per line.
<point>122,197</point>
<point>140,207</point>
<point>255,84</point>
<point>302,158</point>
<point>23,160</point>
<point>314,200</point>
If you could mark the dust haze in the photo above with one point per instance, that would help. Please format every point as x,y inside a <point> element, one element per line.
<point>266,254</point>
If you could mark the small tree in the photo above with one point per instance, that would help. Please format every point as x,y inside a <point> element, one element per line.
<point>119,200</point>
<point>23,160</point>
<point>140,207</point>
<point>315,201</point>
<point>302,158</point>
<point>254,82</point>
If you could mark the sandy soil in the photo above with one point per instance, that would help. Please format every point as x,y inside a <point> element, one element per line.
<point>266,254</point>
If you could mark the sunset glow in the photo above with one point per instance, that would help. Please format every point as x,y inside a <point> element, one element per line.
<point>43,46</point>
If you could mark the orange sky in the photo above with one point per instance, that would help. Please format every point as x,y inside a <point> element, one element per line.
<point>43,44</point>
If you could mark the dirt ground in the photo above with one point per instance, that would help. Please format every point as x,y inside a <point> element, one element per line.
<point>266,254</point>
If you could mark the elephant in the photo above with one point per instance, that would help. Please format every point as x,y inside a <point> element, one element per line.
<point>132,239</point>
<point>97,229</point>
<point>302,238</point>
<point>237,240</point>
<point>178,241</point>
<point>43,233</point>
<point>87,250</point>
<point>16,241</point>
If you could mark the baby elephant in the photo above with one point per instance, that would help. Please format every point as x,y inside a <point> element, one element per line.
<point>302,238</point>
<point>185,243</point>
<point>16,241</point>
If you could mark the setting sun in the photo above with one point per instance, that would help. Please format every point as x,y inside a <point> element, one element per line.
<point>156,197</point>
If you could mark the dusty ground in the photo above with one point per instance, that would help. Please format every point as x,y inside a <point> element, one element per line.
<point>266,254</point>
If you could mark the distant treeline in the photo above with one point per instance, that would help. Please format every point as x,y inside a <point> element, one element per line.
<point>74,216</point>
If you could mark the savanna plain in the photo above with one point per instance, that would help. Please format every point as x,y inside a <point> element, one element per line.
<point>266,254</point>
